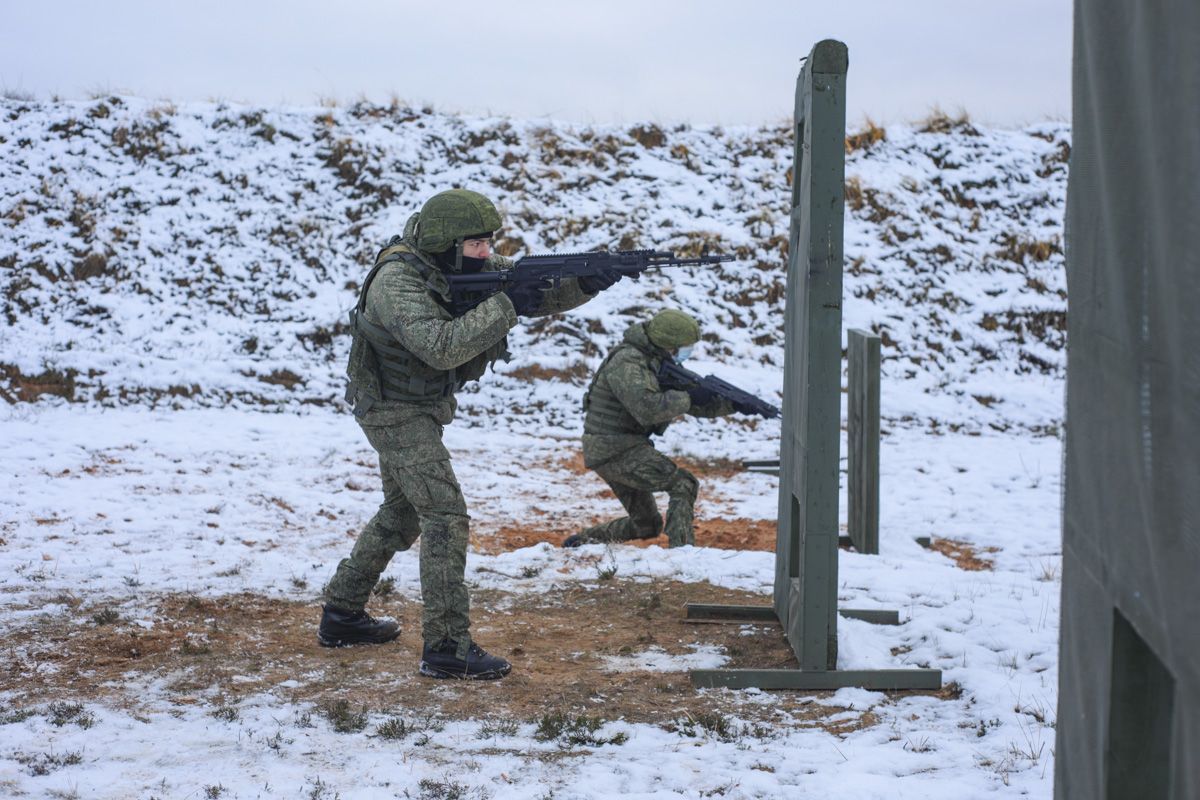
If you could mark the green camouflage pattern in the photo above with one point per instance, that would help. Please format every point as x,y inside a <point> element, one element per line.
<point>405,302</point>
<point>634,476</point>
<point>616,444</point>
<point>670,329</point>
<point>451,215</point>
<point>624,405</point>
<point>422,498</point>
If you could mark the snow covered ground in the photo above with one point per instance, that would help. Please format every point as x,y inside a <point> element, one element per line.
<point>173,285</point>
<point>115,507</point>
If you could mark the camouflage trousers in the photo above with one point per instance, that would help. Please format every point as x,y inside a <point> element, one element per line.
<point>634,476</point>
<point>421,498</point>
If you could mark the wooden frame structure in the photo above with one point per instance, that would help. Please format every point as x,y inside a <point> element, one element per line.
<point>806,553</point>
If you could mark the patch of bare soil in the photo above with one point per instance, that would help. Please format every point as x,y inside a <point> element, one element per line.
<point>218,651</point>
<point>964,555</point>
<point>723,534</point>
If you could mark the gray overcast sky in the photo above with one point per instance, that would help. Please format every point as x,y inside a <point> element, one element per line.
<point>1006,62</point>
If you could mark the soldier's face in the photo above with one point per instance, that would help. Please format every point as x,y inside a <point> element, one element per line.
<point>477,248</point>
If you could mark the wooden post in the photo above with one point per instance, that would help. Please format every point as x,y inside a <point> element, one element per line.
<point>806,577</point>
<point>806,547</point>
<point>862,434</point>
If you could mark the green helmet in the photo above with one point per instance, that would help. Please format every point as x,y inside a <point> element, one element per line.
<point>670,329</point>
<point>451,216</point>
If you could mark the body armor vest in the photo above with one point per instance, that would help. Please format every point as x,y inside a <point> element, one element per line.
<point>382,369</point>
<point>604,414</point>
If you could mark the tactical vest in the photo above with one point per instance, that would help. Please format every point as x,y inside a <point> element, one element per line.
<point>605,414</point>
<point>380,368</point>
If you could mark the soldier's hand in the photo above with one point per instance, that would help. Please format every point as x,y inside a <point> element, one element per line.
<point>526,298</point>
<point>701,396</point>
<point>594,284</point>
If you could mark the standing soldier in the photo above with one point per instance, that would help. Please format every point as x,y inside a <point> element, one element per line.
<point>408,357</point>
<point>623,408</point>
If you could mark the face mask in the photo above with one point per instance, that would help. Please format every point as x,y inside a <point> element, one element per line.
<point>683,353</point>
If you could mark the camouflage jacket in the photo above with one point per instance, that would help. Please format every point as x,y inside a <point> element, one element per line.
<point>625,406</point>
<point>405,302</point>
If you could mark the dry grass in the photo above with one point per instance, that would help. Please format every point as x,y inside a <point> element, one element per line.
<point>939,121</point>
<point>205,650</point>
<point>1021,249</point>
<point>870,135</point>
<point>27,388</point>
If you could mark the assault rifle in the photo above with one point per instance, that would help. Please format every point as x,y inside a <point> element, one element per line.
<point>673,376</point>
<point>548,271</point>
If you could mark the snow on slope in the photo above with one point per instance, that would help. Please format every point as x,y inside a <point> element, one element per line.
<point>207,254</point>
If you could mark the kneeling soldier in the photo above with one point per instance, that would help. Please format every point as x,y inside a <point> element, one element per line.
<point>408,357</point>
<point>623,408</point>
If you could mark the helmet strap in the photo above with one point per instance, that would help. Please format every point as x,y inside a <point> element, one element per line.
<point>458,255</point>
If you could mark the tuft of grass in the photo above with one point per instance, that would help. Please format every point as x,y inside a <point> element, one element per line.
<point>490,729</point>
<point>19,715</point>
<point>606,573</point>
<point>385,588</point>
<point>277,741</point>
<point>60,713</point>
<point>870,135</point>
<point>394,728</point>
<point>40,764</point>
<point>106,616</point>
<point>196,647</point>
<point>648,136</point>
<point>447,789</point>
<point>922,745</point>
<point>343,718</point>
<point>214,791</point>
<point>321,791</point>
<point>225,713</point>
<point>574,731</point>
<point>939,121</point>
<point>707,723</point>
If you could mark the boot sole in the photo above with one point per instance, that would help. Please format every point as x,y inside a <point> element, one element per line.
<point>331,641</point>
<point>430,671</point>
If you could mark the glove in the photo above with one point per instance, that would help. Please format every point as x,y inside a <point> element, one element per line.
<point>594,284</point>
<point>526,298</point>
<point>743,408</point>
<point>701,396</point>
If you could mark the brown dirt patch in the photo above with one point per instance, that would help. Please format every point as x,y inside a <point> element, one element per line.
<point>964,555</point>
<point>723,534</point>
<point>219,651</point>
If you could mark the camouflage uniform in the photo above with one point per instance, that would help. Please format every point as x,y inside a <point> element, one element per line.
<point>623,408</point>
<point>422,497</point>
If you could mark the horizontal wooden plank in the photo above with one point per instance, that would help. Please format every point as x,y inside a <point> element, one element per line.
<point>817,680</point>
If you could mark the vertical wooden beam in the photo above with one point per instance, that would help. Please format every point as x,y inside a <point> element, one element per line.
<point>807,551</point>
<point>862,434</point>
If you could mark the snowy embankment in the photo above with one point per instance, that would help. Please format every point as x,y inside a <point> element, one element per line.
<point>174,281</point>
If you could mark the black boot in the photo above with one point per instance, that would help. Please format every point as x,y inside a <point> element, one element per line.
<point>442,661</point>
<point>340,627</point>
